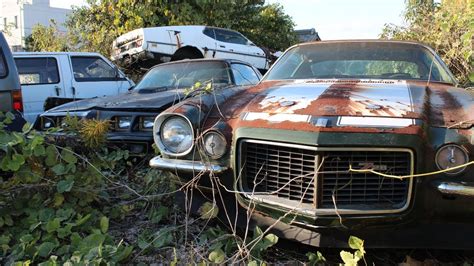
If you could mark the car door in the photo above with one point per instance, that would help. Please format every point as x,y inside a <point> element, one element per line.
<point>40,79</point>
<point>231,45</point>
<point>93,76</point>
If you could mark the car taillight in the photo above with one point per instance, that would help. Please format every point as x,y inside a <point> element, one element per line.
<point>17,101</point>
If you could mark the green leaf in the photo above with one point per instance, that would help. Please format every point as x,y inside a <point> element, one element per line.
<point>82,220</point>
<point>58,200</point>
<point>53,225</point>
<point>104,224</point>
<point>217,256</point>
<point>157,214</point>
<point>348,258</point>
<point>68,156</point>
<point>59,169</point>
<point>39,150</point>
<point>356,243</point>
<point>16,162</point>
<point>64,186</point>
<point>51,156</point>
<point>91,241</point>
<point>315,258</point>
<point>163,238</point>
<point>45,249</point>
<point>208,210</point>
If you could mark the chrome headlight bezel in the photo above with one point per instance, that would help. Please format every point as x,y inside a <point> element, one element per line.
<point>461,152</point>
<point>219,137</point>
<point>157,134</point>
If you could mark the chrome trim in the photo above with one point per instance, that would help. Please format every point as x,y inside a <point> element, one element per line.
<point>466,157</point>
<point>185,165</point>
<point>157,134</point>
<point>456,189</point>
<point>272,201</point>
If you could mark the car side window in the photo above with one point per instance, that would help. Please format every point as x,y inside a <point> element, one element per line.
<point>92,68</point>
<point>3,65</point>
<point>38,70</point>
<point>244,75</point>
<point>209,32</point>
<point>230,36</point>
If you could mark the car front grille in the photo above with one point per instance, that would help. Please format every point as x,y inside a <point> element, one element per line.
<point>320,177</point>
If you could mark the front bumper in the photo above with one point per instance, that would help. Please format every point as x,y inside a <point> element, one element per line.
<point>456,189</point>
<point>185,166</point>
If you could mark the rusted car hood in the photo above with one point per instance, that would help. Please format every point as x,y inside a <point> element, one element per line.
<point>295,104</point>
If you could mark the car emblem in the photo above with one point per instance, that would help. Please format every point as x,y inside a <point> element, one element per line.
<point>287,103</point>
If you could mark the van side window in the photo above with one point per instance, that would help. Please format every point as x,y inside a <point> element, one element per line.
<point>244,75</point>
<point>3,65</point>
<point>38,70</point>
<point>92,68</point>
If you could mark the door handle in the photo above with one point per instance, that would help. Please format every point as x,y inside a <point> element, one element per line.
<point>58,90</point>
<point>221,46</point>
<point>73,91</point>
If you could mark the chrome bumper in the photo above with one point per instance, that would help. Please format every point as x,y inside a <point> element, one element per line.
<point>456,189</point>
<point>185,166</point>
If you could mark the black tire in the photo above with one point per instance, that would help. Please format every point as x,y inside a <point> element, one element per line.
<point>186,54</point>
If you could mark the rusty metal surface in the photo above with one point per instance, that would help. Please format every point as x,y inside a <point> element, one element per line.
<point>437,105</point>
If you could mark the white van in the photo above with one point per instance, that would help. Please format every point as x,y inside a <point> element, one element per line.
<point>170,43</point>
<point>49,79</point>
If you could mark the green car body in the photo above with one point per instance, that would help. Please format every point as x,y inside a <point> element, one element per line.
<point>320,158</point>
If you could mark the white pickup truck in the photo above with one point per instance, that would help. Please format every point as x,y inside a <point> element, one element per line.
<point>150,46</point>
<point>49,79</point>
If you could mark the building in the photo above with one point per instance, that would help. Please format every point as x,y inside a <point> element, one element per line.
<point>18,17</point>
<point>307,35</point>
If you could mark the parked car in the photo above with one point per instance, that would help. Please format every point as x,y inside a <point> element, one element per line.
<point>10,93</point>
<point>149,46</point>
<point>49,79</point>
<point>340,138</point>
<point>132,114</point>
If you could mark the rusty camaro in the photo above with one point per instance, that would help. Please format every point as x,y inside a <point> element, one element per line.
<point>365,138</point>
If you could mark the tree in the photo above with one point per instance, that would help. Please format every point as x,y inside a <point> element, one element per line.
<point>448,27</point>
<point>47,39</point>
<point>95,26</point>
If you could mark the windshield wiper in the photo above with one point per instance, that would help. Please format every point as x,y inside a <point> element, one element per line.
<point>153,89</point>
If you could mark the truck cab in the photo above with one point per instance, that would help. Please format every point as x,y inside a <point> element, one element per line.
<point>49,79</point>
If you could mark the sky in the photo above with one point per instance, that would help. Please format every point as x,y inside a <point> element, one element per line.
<point>332,19</point>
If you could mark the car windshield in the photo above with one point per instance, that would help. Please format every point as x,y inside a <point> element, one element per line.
<point>360,60</point>
<point>185,75</point>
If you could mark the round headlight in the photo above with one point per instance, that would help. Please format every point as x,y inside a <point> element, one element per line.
<point>176,135</point>
<point>214,144</point>
<point>450,156</point>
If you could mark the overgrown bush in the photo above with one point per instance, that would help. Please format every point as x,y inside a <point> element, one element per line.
<point>447,26</point>
<point>64,203</point>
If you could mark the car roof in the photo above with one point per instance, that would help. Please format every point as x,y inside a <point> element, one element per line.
<point>364,41</point>
<point>55,53</point>
<point>229,61</point>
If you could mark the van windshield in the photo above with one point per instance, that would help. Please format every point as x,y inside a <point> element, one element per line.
<point>361,60</point>
<point>185,75</point>
<point>3,65</point>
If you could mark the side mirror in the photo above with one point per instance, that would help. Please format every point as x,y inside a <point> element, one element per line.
<point>249,43</point>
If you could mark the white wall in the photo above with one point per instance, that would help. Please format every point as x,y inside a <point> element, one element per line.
<point>29,13</point>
